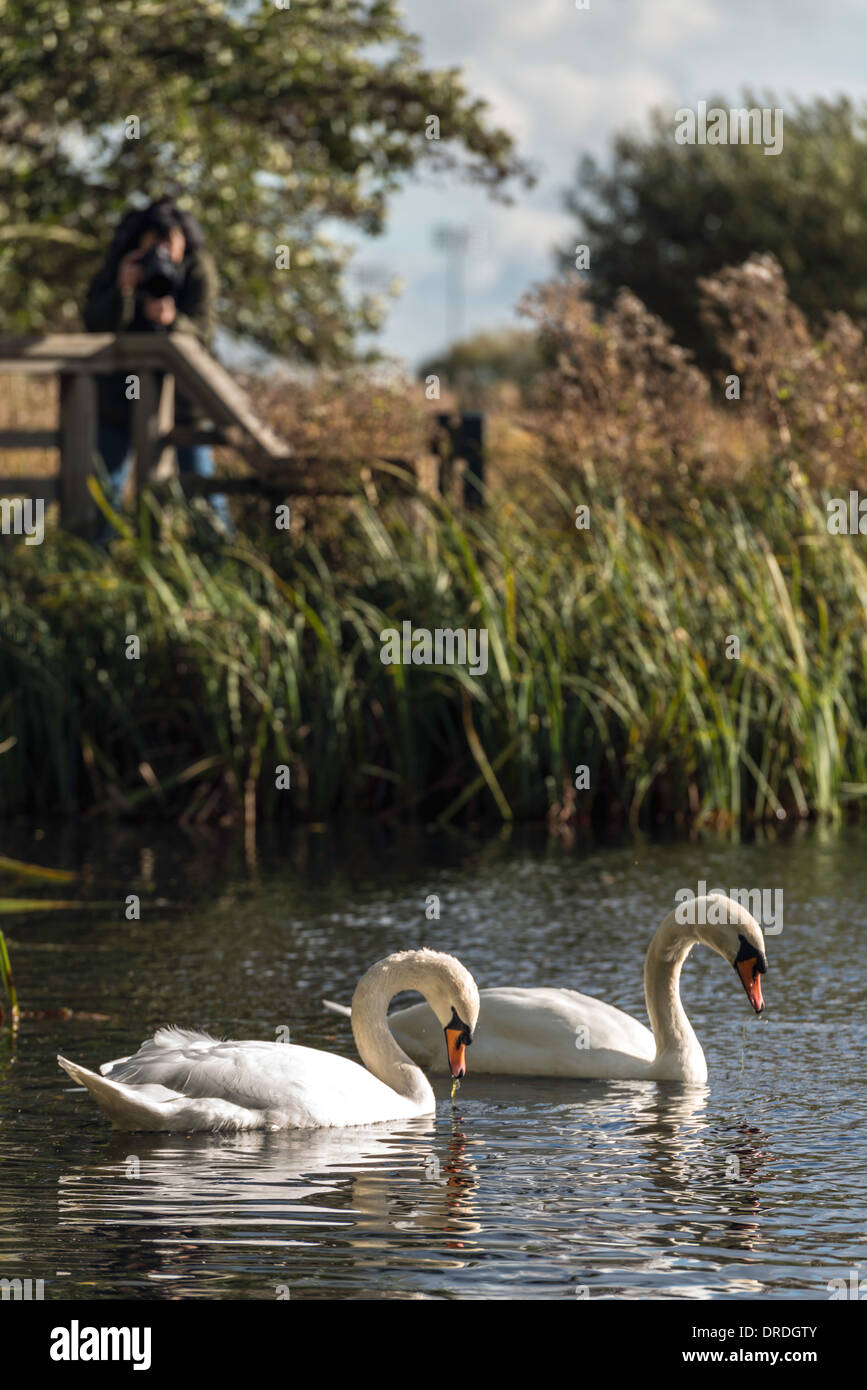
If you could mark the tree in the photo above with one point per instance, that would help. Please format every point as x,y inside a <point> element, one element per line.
<point>664,214</point>
<point>472,366</point>
<point>266,119</point>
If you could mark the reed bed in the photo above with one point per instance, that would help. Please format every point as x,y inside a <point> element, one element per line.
<point>608,647</point>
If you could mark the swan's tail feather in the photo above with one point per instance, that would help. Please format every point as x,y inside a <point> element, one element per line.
<point>343,1009</point>
<point>124,1105</point>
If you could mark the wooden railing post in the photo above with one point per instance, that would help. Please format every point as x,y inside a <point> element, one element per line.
<point>77,449</point>
<point>462,437</point>
<point>145,431</point>
<point>166,420</point>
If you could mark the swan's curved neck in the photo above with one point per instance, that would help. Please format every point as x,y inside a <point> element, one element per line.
<point>676,1042</point>
<point>373,1037</point>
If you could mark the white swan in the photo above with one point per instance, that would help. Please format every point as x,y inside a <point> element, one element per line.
<point>181,1080</point>
<point>558,1032</point>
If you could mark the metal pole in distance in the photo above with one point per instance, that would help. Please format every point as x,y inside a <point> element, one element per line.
<point>454,240</point>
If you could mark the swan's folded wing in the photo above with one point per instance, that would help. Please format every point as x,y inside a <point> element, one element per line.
<point>569,1033</point>
<point>257,1075</point>
<point>534,1032</point>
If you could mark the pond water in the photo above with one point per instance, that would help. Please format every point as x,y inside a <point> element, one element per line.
<point>522,1188</point>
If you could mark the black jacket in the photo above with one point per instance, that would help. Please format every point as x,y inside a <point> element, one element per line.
<point>108,311</point>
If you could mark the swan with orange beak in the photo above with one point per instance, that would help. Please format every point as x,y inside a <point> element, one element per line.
<point>540,1031</point>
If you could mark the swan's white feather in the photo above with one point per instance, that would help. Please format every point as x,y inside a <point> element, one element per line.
<point>535,1032</point>
<point>181,1080</point>
<point>342,1009</point>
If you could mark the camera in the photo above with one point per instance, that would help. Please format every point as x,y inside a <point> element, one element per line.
<point>160,277</point>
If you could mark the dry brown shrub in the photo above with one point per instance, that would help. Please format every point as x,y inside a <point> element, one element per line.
<point>622,401</point>
<point>809,391</point>
<point>352,416</point>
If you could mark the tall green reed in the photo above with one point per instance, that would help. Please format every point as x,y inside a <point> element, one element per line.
<point>609,647</point>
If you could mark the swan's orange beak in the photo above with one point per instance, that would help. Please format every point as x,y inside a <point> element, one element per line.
<point>458,1038</point>
<point>457,1051</point>
<point>752,981</point>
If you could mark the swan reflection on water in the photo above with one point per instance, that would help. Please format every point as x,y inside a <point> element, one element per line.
<point>631,1189</point>
<point>186,1195</point>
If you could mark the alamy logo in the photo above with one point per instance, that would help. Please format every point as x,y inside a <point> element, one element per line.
<point>24,1290</point>
<point>847,518</point>
<point>765,904</point>
<point>737,126</point>
<point>23,517</point>
<point>77,1343</point>
<point>445,646</point>
<point>854,1288</point>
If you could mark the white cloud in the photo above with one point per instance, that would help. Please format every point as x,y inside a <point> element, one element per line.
<point>582,110</point>
<point>530,231</point>
<point>483,273</point>
<point>665,24</point>
<point>536,19</point>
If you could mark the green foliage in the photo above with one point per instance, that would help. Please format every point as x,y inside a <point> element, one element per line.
<point>7,985</point>
<point>266,122</point>
<point>472,366</point>
<point>607,647</point>
<point>663,214</point>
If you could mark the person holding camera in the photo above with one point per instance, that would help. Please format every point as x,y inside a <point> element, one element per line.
<point>157,278</point>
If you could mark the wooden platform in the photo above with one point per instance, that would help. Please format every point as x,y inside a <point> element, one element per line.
<point>159,360</point>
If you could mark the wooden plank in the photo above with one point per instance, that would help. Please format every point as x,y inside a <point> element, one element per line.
<point>60,345</point>
<point>219,394</point>
<point>77,450</point>
<point>29,439</point>
<point>293,475</point>
<point>179,354</point>
<point>129,351</point>
<point>83,352</point>
<point>42,366</point>
<point>145,431</point>
<point>165,448</point>
<point>30,487</point>
<point>195,486</point>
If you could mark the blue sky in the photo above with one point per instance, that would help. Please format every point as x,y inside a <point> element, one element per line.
<point>563,81</point>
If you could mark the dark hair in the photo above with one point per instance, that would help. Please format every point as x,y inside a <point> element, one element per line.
<point>160,217</point>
